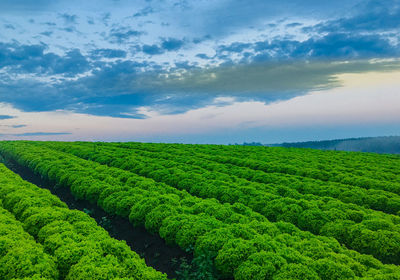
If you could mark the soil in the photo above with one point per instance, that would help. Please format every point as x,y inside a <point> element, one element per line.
<point>152,248</point>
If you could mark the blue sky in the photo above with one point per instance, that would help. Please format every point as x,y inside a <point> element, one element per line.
<point>151,63</point>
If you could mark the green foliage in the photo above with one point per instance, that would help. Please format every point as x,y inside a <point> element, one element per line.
<point>296,272</point>
<point>330,270</point>
<point>249,215</point>
<point>260,266</point>
<point>232,255</point>
<point>71,244</point>
<point>20,255</point>
<point>309,204</point>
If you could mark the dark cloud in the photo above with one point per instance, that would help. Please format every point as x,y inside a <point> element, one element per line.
<point>366,33</point>
<point>33,59</point>
<point>294,24</point>
<point>167,44</point>
<point>121,35</point>
<point>172,44</point>
<point>116,106</point>
<point>71,64</point>
<point>111,90</point>
<point>332,46</point>
<point>270,70</point>
<point>108,53</point>
<point>119,88</point>
<point>185,65</point>
<point>236,47</point>
<point>152,49</point>
<point>343,45</point>
<point>372,16</point>
<point>203,56</point>
<point>21,57</point>
<point>34,96</point>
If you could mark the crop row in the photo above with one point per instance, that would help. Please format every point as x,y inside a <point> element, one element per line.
<point>20,256</point>
<point>365,230</point>
<point>79,247</point>
<point>370,198</point>
<point>242,243</point>
<point>308,163</point>
<point>363,170</point>
<point>368,165</point>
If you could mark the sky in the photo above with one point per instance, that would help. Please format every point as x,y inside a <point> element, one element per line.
<point>221,71</point>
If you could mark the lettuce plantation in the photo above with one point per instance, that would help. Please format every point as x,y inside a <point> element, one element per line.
<point>241,212</point>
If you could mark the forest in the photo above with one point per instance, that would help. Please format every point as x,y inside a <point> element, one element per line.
<point>129,210</point>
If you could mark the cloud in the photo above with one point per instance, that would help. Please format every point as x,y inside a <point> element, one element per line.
<point>167,44</point>
<point>69,19</point>
<point>121,88</point>
<point>30,95</point>
<point>221,18</point>
<point>9,26</point>
<point>201,39</point>
<point>71,64</point>
<point>119,106</point>
<point>203,56</point>
<point>144,12</point>
<point>108,53</point>
<point>352,107</point>
<point>334,45</point>
<point>152,49</point>
<point>236,47</point>
<point>373,15</point>
<point>40,134</point>
<point>121,35</point>
<point>69,29</point>
<point>33,59</point>
<point>90,20</point>
<point>266,77</point>
<point>48,23</point>
<point>47,33</point>
<point>293,24</point>
<point>6,117</point>
<point>172,44</point>
<point>14,54</point>
<point>105,18</point>
<point>94,77</point>
<point>342,45</point>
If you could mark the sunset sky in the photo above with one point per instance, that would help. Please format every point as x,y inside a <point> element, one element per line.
<point>222,71</point>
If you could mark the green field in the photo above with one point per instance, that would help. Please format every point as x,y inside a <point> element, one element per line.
<point>242,212</point>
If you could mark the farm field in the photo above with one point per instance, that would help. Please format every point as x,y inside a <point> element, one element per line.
<point>214,211</point>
